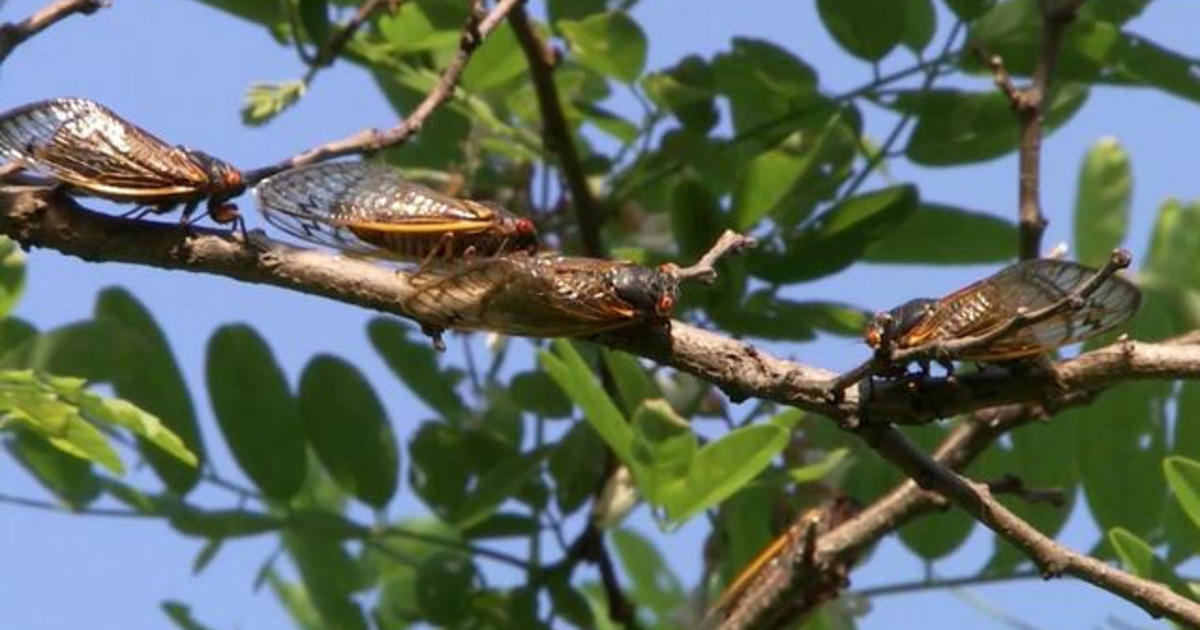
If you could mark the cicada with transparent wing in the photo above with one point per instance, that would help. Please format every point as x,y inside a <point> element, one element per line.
<point>543,296</point>
<point>371,209</point>
<point>990,303</point>
<point>93,151</point>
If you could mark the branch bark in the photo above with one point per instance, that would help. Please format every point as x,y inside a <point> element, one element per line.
<point>556,132</point>
<point>14,34</point>
<point>40,217</point>
<point>368,140</point>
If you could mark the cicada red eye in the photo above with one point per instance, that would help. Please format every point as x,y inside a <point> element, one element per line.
<point>372,209</point>
<point>93,151</point>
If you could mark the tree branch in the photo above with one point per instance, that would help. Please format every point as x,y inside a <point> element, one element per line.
<point>13,35</point>
<point>368,140</point>
<point>36,216</point>
<point>556,132</point>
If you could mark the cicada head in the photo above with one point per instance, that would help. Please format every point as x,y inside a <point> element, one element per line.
<point>521,234</point>
<point>900,320</point>
<point>223,179</point>
<point>650,291</point>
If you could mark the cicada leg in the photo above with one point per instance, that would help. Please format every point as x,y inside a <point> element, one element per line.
<point>444,247</point>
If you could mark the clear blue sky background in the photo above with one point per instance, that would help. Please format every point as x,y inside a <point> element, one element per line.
<point>180,69</point>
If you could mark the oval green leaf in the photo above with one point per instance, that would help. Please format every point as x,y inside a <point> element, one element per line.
<point>610,43</point>
<point>1102,200</point>
<point>867,29</point>
<point>978,238</point>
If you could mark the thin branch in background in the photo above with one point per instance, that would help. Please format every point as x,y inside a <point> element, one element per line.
<point>556,132</point>
<point>1051,558</point>
<point>1015,486</point>
<point>402,532</point>
<point>14,34</point>
<point>901,588</point>
<point>47,506</point>
<point>370,140</point>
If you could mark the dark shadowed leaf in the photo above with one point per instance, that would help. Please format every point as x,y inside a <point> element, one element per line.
<point>222,523</point>
<point>937,535</point>
<point>633,382</point>
<point>654,584</point>
<point>443,581</point>
<point>330,576</point>
<point>867,29</point>
<point>181,615</point>
<point>1102,199</point>
<point>834,240</point>
<point>610,43</point>
<point>314,15</point>
<point>12,275</point>
<point>69,478</point>
<point>956,127</point>
<point>696,218</point>
<point>154,383</point>
<point>577,465</point>
<point>763,82</point>
<point>255,410</point>
<point>537,392</point>
<point>347,427</point>
<point>977,238</point>
<point>969,9</point>
<point>415,363</point>
<point>920,23</point>
<point>1147,62</point>
<point>687,91</point>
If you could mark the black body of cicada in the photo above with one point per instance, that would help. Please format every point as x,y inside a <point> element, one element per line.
<point>990,303</point>
<point>542,296</point>
<point>371,209</point>
<point>92,151</point>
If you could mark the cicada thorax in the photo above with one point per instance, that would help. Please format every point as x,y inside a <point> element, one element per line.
<point>542,296</point>
<point>372,209</point>
<point>91,150</point>
<point>988,304</point>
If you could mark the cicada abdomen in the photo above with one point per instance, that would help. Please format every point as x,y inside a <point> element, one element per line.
<point>371,209</point>
<point>990,303</point>
<point>543,296</point>
<point>93,151</point>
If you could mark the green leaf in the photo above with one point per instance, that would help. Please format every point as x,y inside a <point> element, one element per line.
<point>1115,11</point>
<point>348,429</point>
<point>764,183</point>
<point>265,13</point>
<point>128,416</point>
<point>314,15</point>
<point>415,363</point>
<point>722,467</point>
<point>696,218</point>
<point>1139,558</point>
<point>867,29</point>
<point>27,399</point>
<point>295,600</point>
<point>687,91</point>
<point>654,585</point>
<point>154,383</point>
<point>763,82</point>
<point>330,576</point>
<point>181,615</point>
<point>935,536</point>
<point>610,43</point>
<point>537,392</point>
<point>632,381</point>
<point>206,555</point>
<point>223,523</point>
<point>68,477</point>
<point>978,238</point>
<point>443,581</point>
<point>15,332</point>
<point>820,469</point>
<point>1013,30</point>
<point>663,449</point>
<point>956,127</point>
<point>577,465</point>
<point>1183,475</point>
<point>265,101</point>
<point>495,487</point>
<point>498,61</point>
<point>920,23</point>
<point>1103,197</point>
<point>577,381</point>
<point>1174,246</point>
<point>12,275</point>
<point>834,240</point>
<point>255,410</point>
<point>969,9</point>
<point>1142,60</point>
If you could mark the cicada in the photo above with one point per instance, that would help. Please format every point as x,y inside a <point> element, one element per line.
<point>778,570</point>
<point>546,295</point>
<point>990,303</point>
<point>93,151</point>
<point>371,209</point>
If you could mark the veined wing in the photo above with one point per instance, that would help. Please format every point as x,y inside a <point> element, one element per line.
<point>86,145</point>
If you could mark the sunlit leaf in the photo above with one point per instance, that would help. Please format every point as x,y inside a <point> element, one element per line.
<point>575,378</point>
<point>610,43</point>
<point>1102,200</point>
<point>978,238</point>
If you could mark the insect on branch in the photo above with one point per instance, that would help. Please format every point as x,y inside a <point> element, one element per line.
<point>887,356</point>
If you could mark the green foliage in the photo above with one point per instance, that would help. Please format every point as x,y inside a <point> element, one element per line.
<point>1102,205</point>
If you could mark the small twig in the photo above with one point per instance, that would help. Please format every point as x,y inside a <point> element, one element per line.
<point>336,42</point>
<point>951,348</point>
<point>704,270</point>
<point>369,140</point>
<point>556,132</point>
<point>499,556</point>
<point>1015,486</point>
<point>941,583</point>
<point>12,35</point>
<point>38,504</point>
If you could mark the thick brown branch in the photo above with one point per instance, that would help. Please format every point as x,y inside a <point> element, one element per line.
<point>556,132</point>
<point>13,34</point>
<point>368,140</point>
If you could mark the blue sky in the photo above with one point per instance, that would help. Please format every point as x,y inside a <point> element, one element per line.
<point>180,70</point>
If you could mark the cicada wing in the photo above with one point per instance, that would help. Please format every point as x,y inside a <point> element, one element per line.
<point>84,144</point>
